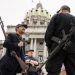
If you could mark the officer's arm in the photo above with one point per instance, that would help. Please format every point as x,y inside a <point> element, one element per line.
<point>50,31</point>
<point>73,28</point>
<point>9,44</point>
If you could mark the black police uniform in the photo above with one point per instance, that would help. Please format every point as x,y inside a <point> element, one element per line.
<point>8,64</point>
<point>58,23</point>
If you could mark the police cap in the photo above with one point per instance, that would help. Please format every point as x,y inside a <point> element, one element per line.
<point>65,7</point>
<point>20,25</point>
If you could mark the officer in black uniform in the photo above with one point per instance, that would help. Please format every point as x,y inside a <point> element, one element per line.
<point>13,42</point>
<point>59,22</point>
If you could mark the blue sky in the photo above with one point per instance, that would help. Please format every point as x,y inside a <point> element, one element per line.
<point>13,11</point>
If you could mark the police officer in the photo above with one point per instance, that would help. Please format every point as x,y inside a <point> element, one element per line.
<point>32,62</point>
<point>59,22</point>
<point>13,42</point>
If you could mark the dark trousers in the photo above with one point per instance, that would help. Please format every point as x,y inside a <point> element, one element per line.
<point>6,72</point>
<point>32,73</point>
<point>54,65</point>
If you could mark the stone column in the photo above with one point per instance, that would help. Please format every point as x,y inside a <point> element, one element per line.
<point>35,40</point>
<point>4,51</point>
<point>31,44</point>
<point>45,53</point>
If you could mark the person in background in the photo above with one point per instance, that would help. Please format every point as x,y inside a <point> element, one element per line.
<point>13,42</point>
<point>32,62</point>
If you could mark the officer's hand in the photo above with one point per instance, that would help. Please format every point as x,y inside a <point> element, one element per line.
<point>20,44</point>
<point>32,63</point>
<point>13,53</point>
<point>36,63</point>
